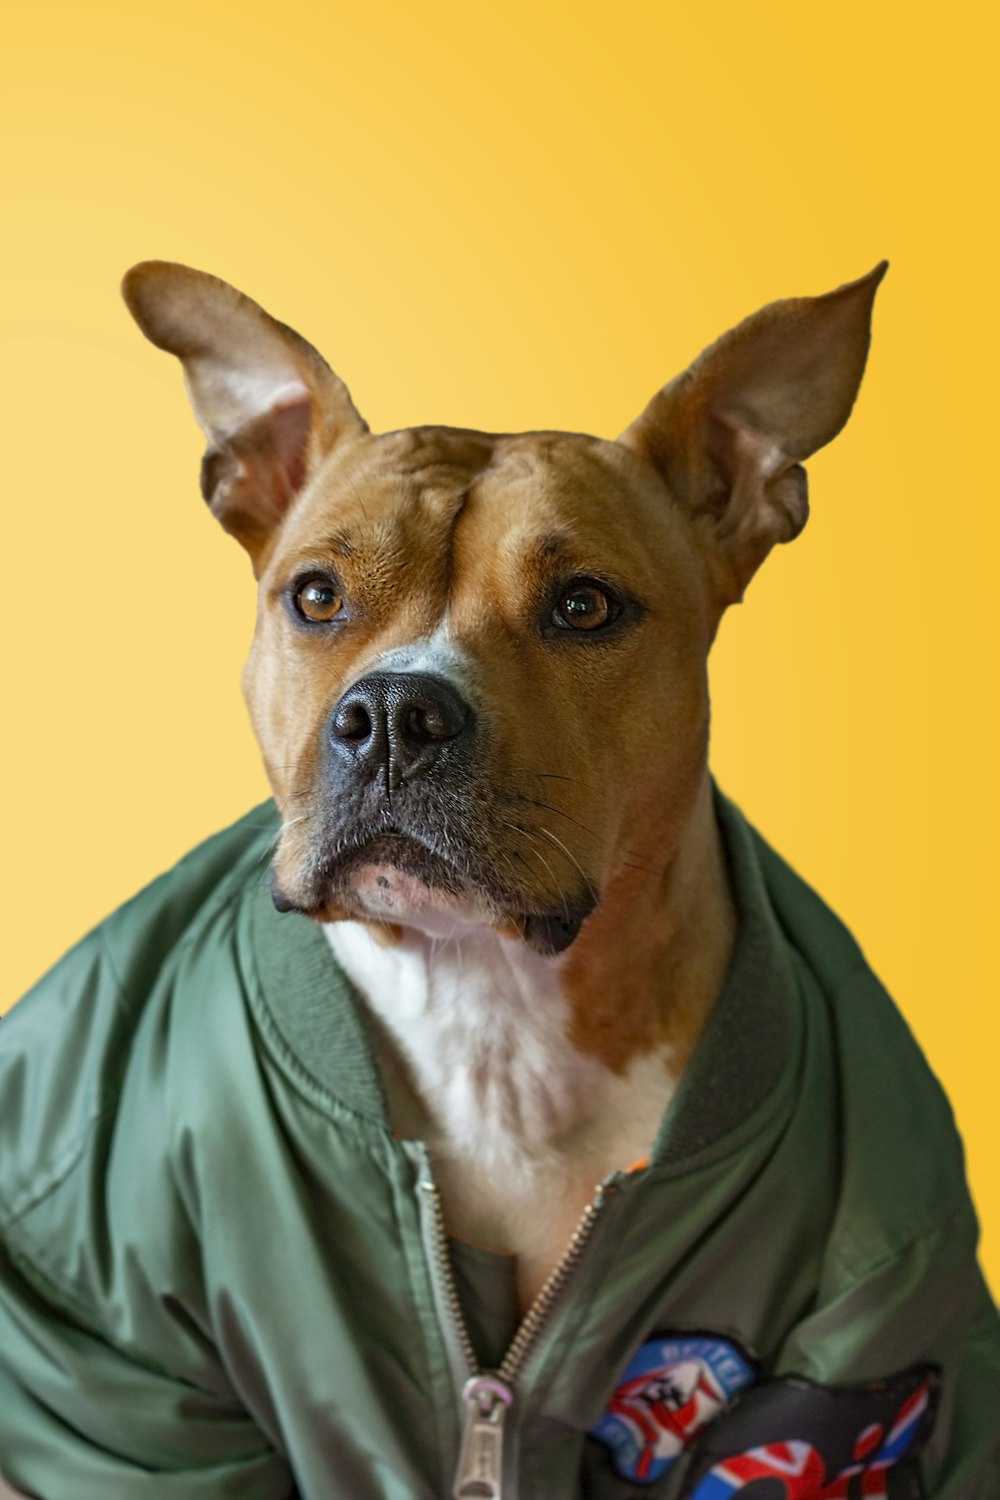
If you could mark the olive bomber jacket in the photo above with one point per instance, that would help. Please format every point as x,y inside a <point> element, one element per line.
<point>223,1277</point>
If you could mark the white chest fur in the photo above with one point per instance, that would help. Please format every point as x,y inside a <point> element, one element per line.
<point>471,1038</point>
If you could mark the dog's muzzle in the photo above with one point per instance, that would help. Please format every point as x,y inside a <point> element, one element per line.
<point>408,789</point>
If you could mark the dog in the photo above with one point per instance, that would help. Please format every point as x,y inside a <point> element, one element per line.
<point>478,681</point>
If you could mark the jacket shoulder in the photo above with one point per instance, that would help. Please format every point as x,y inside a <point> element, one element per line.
<point>902,1167</point>
<point>814,928</point>
<point>902,1161</point>
<point>64,1047</point>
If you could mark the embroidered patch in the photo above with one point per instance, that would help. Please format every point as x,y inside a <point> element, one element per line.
<point>672,1387</point>
<point>792,1439</point>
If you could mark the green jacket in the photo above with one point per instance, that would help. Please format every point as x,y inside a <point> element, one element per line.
<point>222,1275</point>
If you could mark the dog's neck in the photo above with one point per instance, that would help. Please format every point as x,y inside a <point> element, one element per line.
<point>470,1031</point>
<point>484,1054</point>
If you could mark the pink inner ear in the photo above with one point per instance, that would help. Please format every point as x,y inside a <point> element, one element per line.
<point>252,476</point>
<point>287,428</point>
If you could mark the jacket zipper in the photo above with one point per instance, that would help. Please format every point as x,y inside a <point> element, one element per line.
<point>489,1394</point>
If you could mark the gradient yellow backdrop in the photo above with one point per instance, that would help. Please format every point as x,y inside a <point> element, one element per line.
<point>503,217</point>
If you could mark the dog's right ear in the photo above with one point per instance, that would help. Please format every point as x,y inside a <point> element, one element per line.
<point>268,403</point>
<point>731,433</point>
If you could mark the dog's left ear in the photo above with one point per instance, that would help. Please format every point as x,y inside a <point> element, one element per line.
<point>268,403</point>
<point>729,434</point>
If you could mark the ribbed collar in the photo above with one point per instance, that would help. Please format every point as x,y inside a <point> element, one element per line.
<point>746,1053</point>
<point>746,1058</point>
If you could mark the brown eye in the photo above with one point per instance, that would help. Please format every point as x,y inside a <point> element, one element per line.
<point>583,607</point>
<point>319,599</point>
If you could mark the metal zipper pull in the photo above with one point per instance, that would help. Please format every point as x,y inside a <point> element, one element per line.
<point>480,1465</point>
<point>487,1396</point>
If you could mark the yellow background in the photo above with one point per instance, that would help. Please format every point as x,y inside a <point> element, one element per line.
<point>507,217</point>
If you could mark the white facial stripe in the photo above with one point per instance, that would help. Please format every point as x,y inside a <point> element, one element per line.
<point>436,654</point>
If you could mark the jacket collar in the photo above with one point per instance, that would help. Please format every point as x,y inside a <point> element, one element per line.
<point>740,1066</point>
<point>747,1056</point>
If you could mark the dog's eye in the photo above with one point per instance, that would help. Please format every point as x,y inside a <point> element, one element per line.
<point>319,600</point>
<point>585,606</point>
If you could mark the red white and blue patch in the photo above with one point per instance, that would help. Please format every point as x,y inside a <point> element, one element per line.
<point>672,1388</point>
<point>792,1439</point>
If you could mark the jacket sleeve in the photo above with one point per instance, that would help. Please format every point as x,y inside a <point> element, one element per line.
<point>81,1420</point>
<point>93,1405</point>
<point>926,1305</point>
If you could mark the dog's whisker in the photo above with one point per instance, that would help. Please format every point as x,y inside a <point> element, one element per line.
<point>302,818</point>
<point>548,807</point>
<point>585,786</point>
<point>636,863</point>
<point>528,834</point>
<point>558,844</point>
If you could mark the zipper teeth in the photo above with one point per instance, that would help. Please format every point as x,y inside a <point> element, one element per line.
<point>539,1310</point>
<point>534,1319</point>
<point>448,1279</point>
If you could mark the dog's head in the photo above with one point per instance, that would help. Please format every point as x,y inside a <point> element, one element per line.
<point>478,675</point>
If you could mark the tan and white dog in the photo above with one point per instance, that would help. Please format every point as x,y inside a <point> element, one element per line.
<point>479,684</point>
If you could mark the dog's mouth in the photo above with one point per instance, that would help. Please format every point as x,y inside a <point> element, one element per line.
<point>396,878</point>
<point>395,850</point>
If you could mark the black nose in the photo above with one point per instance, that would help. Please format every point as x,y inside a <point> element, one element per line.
<point>395,723</point>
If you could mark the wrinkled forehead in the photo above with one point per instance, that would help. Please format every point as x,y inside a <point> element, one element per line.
<point>434,496</point>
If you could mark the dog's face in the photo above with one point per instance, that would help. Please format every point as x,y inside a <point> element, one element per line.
<point>478,676</point>
<point>470,652</point>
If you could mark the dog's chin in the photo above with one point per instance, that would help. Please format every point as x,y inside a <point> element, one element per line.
<point>386,893</point>
<point>392,897</point>
<point>398,882</point>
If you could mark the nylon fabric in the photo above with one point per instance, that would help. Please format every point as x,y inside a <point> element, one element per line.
<point>219,1273</point>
